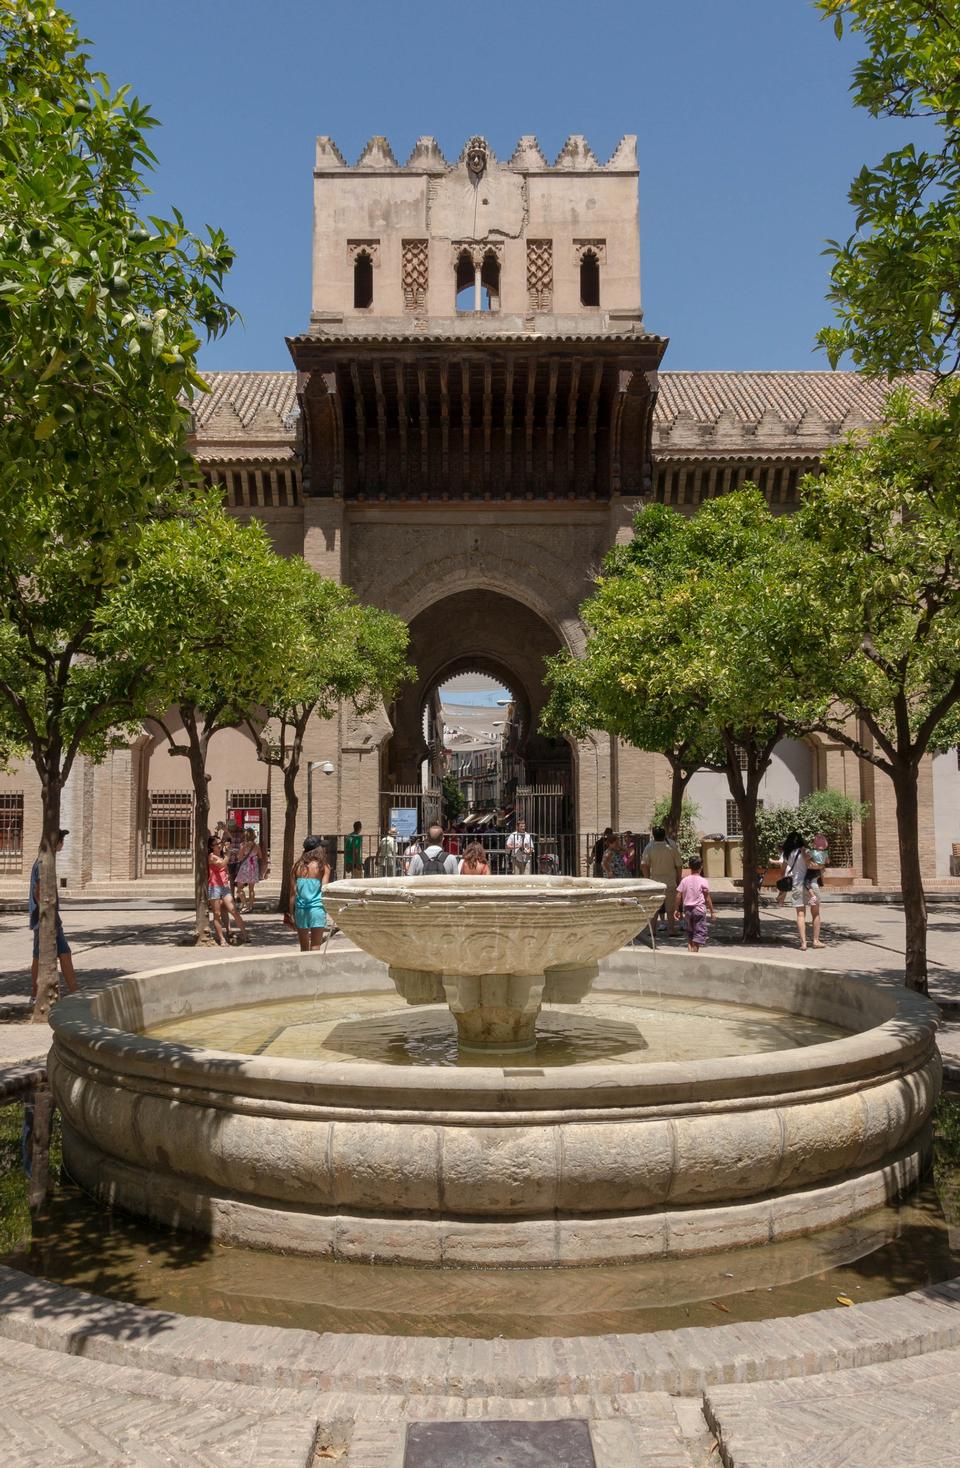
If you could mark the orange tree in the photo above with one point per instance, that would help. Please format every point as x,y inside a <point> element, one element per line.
<point>102,310</point>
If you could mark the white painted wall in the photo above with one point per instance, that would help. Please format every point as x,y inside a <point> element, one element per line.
<point>788,780</point>
<point>946,808</point>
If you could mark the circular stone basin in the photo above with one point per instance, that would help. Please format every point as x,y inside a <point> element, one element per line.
<point>493,948</point>
<point>502,1163</point>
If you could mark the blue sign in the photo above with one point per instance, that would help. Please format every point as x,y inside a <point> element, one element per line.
<point>404,817</point>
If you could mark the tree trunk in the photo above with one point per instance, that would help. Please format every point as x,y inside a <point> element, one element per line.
<point>201,827</point>
<point>48,984</point>
<point>290,813</point>
<point>911,878</point>
<point>751,851</point>
<point>678,789</point>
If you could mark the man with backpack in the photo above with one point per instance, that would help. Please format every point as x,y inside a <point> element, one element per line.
<point>432,860</point>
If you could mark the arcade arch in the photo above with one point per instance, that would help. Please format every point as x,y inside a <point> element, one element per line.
<point>479,631</point>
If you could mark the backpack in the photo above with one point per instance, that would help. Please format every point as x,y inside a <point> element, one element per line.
<point>433,866</point>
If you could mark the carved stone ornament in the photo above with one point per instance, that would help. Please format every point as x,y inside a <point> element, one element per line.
<point>590,247</point>
<point>478,250</point>
<point>364,247</point>
<point>540,274</point>
<point>415,274</point>
<point>477,155</point>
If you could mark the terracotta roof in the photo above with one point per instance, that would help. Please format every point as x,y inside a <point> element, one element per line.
<point>246,393</point>
<point>790,396</point>
<point>468,338</point>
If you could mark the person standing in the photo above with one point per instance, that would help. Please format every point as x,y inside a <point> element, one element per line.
<point>64,956</point>
<point>661,862</point>
<point>252,868</point>
<point>413,848</point>
<point>474,861</point>
<point>693,897</point>
<point>353,852</point>
<point>599,848</point>
<point>387,854</point>
<point>309,876</point>
<point>234,839</point>
<point>219,896</point>
<point>800,865</point>
<point>520,849</point>
<point>433,861</point>
<point>614,863</point>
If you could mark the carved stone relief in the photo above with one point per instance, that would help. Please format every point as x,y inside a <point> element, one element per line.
<point>415,269</point>
<point>540,274</point>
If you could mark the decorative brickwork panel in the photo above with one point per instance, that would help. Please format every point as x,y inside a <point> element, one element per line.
<point>415,274</point>
<point>540,274</point>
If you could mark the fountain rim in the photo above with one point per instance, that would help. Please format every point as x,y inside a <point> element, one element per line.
<point>900,1040</point>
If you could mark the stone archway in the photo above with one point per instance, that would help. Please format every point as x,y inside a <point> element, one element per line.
<point>478,631</point>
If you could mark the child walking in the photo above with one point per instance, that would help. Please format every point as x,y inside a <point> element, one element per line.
<point>693,897</point>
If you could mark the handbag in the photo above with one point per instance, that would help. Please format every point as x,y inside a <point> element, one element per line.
<point>785,884</point>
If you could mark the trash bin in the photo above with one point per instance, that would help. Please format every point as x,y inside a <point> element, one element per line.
<point>712,849</point>
<point>734,859</point>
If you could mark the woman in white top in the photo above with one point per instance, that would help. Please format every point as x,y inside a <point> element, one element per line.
<point>798,860</point>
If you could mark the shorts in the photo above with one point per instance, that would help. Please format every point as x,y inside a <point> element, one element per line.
<point>62,945</point>
<point>215,893</point>
<point>695,922</point>
<point>309,915</point>
<point>805,893</point>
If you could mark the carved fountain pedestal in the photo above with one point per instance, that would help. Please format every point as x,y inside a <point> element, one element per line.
<point>494,949</point>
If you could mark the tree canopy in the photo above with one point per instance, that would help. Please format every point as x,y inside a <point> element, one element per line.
<point>693,630</point>
<point>102,311</point>
<point>895,282</point>
<point>880,529</point>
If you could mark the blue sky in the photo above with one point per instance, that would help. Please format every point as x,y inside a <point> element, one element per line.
<point>747,137</point>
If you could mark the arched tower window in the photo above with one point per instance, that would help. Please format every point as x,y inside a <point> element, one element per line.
<point>466,294</point>
<point>490,282</point>
<point>589,279</point>
<point>362,281</point>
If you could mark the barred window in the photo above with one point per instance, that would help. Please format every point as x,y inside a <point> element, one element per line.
<point>169,831</point>
<point>734,828</point>
<point>11,831</point>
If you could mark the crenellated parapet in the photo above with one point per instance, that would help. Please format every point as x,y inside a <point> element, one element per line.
<point>528,156</point>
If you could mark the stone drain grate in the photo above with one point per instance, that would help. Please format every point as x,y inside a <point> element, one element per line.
<point>499,1445</point>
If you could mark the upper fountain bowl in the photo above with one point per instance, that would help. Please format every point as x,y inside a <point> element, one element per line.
<point>491,925</point>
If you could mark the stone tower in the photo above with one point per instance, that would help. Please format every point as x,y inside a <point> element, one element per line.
<point>477,389</point>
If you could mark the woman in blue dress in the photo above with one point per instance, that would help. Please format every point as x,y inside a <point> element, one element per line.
<point>307,880</point>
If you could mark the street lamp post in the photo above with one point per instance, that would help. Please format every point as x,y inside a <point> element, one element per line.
<point>325,768</point>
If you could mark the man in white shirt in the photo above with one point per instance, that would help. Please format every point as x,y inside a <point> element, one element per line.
<point>432,860</point>
<point>520,848</point>
<point>387,853</point>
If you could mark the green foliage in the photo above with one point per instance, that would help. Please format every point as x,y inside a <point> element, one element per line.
<point>824,812</point>
<point>454,801</point>
<point>880,529</point>
<point>101,315</point>
<point>14,1184</point>
<point>688,831</point>
<point>895,282</point>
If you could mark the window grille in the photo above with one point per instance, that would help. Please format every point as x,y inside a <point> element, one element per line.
<point>169,831</point>
<point>251,800</point>
<point>734,828</point>
<point>11,831</point>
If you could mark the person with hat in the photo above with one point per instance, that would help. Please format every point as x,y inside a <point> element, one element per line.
<point>64,956</point>
<point>310,875</point>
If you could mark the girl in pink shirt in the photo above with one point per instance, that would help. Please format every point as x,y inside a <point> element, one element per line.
<point>693,898</point>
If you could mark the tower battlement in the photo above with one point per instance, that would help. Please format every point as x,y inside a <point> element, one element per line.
<point>476,246</point>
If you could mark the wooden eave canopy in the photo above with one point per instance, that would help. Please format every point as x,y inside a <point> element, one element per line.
<point>492,417</point>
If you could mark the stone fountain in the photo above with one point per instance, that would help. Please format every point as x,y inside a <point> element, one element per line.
<point>498,1160</point>
<point>495,949</point>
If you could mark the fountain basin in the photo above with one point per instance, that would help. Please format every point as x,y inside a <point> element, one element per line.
<point>493,949</point>
<point>496,1165</point>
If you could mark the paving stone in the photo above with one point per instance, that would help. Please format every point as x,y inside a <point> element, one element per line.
<point>904,1413</point>
<point>89,1426</point>
<point>492,1444</point>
